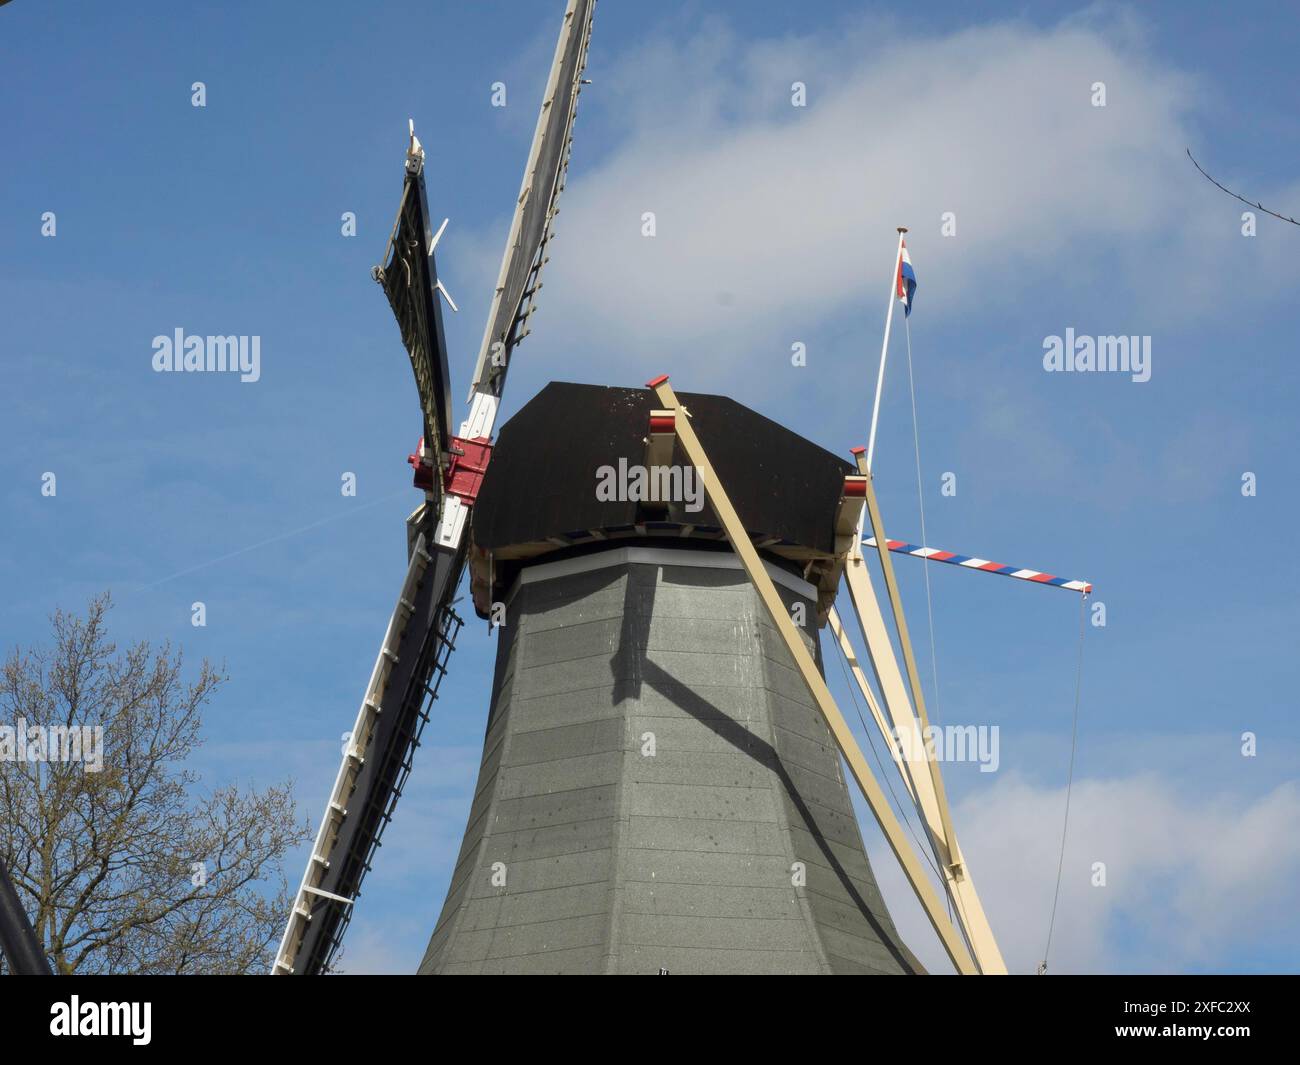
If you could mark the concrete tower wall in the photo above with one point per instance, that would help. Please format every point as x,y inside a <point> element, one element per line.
<point>585,853</point>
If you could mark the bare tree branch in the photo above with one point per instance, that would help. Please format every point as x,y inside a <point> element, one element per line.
<point>1248,203</point>
<point>132,869</point>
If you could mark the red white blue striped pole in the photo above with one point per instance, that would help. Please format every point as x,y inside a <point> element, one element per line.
<point>884,347</point>
<point>953,559</point>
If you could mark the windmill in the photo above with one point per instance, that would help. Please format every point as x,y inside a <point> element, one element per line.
<point>661,787</point>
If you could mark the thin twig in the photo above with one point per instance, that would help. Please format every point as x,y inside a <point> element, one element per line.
<point>1257,206</point>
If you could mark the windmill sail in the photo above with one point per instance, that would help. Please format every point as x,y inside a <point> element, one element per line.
<point>514,300</point>
<point>421,633</point>
<point>409,277</point>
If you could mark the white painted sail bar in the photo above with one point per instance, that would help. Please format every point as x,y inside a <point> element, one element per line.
<point>483,413</point>
<point>354,755</point>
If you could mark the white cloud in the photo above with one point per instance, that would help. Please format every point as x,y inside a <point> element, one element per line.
<point>773,219</point>
<point>1189,877</point>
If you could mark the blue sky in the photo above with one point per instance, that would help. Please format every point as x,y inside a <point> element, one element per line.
<point>775,226</point>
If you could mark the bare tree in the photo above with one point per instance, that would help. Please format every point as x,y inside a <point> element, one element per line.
<point>125,865</point>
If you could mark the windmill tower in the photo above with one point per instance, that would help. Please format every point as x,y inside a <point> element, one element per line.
<point>662,784</point>
<point>658,791</point>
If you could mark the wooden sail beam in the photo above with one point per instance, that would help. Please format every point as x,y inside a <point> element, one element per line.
<point>913,868</point>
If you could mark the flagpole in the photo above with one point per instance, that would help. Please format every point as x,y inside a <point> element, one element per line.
<point>884,347</point>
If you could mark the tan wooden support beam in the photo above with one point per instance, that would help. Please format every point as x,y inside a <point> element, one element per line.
<point>949,936</point>
<point>928,782</point>
<point>909,659</point>
<point>893,689</point>
<point>846,648</point>
<point>916,777</point>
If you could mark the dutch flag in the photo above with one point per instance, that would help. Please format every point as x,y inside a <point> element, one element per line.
<point>906,282</point>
